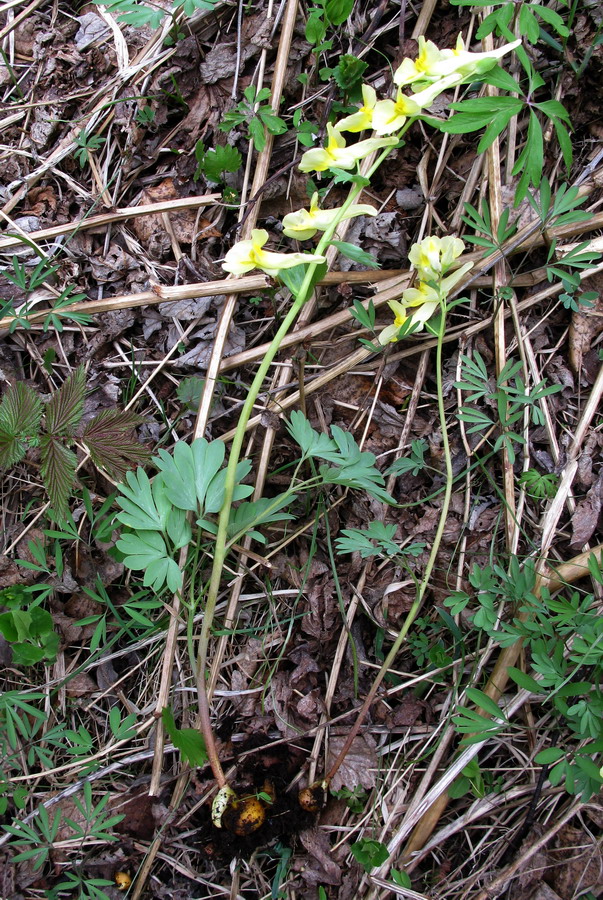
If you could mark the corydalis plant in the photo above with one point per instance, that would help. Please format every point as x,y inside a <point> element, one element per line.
<point>431,258</point>
<point>28,422</point>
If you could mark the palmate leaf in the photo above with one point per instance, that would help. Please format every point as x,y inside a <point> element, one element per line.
<point>148,552</point>
<point>145,505</point>
<point>188,471</point>
<point>194,480</point>
<point>109,440</point>
<point>57,469</point>
<point>20,415</point>
<point>65,407</point>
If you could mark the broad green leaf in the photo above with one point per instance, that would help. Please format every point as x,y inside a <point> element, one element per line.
<point>531,160</point>
<point>256,130</point>
<point>188,740</point>
<point>554,109</point>
<point>273,123</point>
<point>316,28</point>
<point>356,254</point>
<point>338,11</point>
<point>484,702</point>
<point>525,681</point>
<point>496,126</point>
<point>500,78</point>
<point>549,756</point>
<point>551,18</point>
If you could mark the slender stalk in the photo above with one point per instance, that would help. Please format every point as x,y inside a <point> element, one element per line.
<point>221,543</point>
<point>414,610</point>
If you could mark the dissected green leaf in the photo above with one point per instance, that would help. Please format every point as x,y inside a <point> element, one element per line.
<point>248,516</point>
<point>311,442</point>
<point>147,551</point>
<point>360,540</point>
<point>189,470</point>
<point>144,504</point>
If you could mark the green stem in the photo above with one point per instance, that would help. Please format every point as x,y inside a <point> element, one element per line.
<point>414,610</point>
<point>221,543</point>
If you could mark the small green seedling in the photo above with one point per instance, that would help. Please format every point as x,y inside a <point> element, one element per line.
<point>214,163</point>
<point>256,115</point>
<point>369,853</point>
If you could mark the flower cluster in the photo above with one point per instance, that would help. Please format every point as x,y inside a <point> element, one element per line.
<point>432,258</point>
<point>427,76</point>
<point>431,73</point>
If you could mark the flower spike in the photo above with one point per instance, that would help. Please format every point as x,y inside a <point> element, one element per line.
<point>432,64</point>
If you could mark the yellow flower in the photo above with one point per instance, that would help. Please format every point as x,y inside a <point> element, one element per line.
<point>432,64</point>
<point>390,115</point>
<point>363,118</point>
<point>337,154</point>
<point>467,65</point>
<point>248,255</point>
<point>411,70</point>
<point>426,301</point>
<point>304,224</point>
<point>434,256</point>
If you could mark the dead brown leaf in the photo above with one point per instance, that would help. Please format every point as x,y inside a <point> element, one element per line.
<point>577,863</point>
<point>81,685</point>
<point>320,866</point>
<point>585,326</point>
<point>360,764</point>
<point>182,222</point>
<point>586,515</point>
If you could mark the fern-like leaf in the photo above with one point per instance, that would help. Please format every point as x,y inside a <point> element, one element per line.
<point>65,407</point>
<point>20,414</point>
<point>111,444</point>
<point>57,470</point>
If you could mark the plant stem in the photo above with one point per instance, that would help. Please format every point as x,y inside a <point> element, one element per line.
<point>414,610</point>
<point>221,543</point>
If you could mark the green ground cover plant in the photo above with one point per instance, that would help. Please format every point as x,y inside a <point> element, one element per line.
<point>283,665</point>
